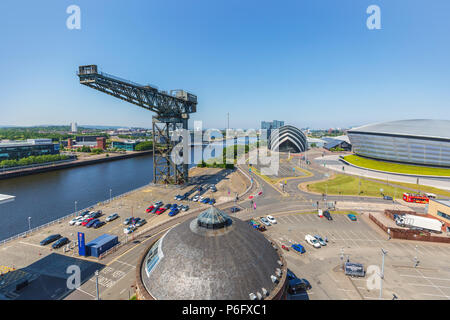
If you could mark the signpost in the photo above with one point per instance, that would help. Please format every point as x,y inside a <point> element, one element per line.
<point>81,244</point>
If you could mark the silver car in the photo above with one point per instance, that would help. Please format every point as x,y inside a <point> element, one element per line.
<point>321,241</point>
<point>265,221</point>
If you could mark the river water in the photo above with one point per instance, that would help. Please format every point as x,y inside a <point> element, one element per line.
<point>48,196</point>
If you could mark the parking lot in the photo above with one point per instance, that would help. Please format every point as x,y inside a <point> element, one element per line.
<point>361,242</point>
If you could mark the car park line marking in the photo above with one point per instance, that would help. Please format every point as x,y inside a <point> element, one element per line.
<point>87,293</point>
<point>439,289</point>
<point>424,249</point>
<point>436,295</point>
<point>352,239</point>
<point>432,278</point>
<point>427,285</point>
<point>35,245</point>
<point>126,264</point>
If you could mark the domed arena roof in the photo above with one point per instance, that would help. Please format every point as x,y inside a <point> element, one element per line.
<point>288,138</point>
<point>212,257</point>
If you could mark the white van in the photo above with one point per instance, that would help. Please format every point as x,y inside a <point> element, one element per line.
<point>312,241</point>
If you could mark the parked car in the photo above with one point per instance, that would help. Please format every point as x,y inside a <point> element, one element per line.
<point>354,269</point>
<point>388,198</point>
<point>271,219</point>
<point>156,208</point>
<point>284,247</point>
<point>91,223</point>
<point>321,241</point>
<point>212,201</point>
<point>351,217</point>
<point>205,200</point>
<point>195,198</point>
<point>86,221</point>
<point>298,285</point>
<point>235,209</point>
<point>129,229</point>
<point>79,222</point>
<point>312,241</point>
<point>74,220</point>
<point>167,206</point>
<point>174,212</point>
<point>290,275</point>
<point>185,208</point>
<point>177,197</point>
<point>160,210</point>
<point>127,221</point>
<point>265,221</point>
<point>158,204</point>
<point>149,209</point>
<point>327,215</point>
<point>213,188</point>
<point>98,224</point>
<point>60,243</point>
<point>95,214</point>
<point>298,247</point>
<point>112,217</point>
<point>50,239</point>
<point>141,222</point>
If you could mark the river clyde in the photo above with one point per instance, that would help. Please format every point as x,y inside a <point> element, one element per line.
<point>51,195</point>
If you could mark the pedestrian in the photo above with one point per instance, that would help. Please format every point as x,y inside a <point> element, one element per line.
<point>389,233</point>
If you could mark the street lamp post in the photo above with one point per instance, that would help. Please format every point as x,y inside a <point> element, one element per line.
<point>29,223</point>
<point>75,206</point>
<point>110,193</point>
<point>96,284</point>
<point>384,252</point>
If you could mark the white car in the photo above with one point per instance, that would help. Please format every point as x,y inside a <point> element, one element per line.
<point>271,219</point>
<point>312,241</point>
<point>74,220</point>
<point>80,221</point>
<point>265,221</point>
<point>129,229</point>
<point>195,198</point>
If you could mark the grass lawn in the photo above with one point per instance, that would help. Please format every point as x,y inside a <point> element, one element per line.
<point>395,167</point>
<point>349,185</point>
<point>422,189</point>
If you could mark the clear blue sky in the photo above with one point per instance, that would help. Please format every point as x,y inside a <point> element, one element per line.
<point>308,62</point>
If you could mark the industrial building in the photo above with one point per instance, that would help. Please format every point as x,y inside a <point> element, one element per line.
<point>14,150</point>
<point>422,142</point>
<point>128,145</point>
<point>440,209</point>
<point>212,257</point>
<point>288,139</point>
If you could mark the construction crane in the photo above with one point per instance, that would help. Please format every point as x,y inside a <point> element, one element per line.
<point>172,112</point>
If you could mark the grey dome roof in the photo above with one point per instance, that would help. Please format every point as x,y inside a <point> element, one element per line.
<point>196,263</point>
<point>418,127</point>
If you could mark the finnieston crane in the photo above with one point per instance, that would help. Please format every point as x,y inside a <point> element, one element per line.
<point>172,110</point>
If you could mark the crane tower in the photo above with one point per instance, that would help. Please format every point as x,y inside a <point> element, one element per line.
<point>172,112</point>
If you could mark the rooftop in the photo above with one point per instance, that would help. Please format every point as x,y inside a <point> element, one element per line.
<point>445,202</point>
<point>418,127</point>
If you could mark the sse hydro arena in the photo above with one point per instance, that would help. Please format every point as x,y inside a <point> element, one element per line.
<point>420,142</point>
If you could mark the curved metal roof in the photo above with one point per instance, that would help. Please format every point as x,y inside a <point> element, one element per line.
<point>419,127</point>
<point>221,264</point>
<point>288,133</point>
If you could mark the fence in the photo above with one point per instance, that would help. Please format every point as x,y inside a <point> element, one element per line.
<point>406,234</point>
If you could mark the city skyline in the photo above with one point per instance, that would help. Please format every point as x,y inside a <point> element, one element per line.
<point>255,60</point>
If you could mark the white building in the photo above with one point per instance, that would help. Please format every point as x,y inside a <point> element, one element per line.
<point>74,127</point>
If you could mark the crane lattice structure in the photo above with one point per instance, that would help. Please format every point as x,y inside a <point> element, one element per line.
<point>172,112</point>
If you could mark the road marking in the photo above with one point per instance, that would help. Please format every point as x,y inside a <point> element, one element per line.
<point>439,289</point>
<point>432,278</point>
<point>79,289</point>
<point>427,285</point>
<point>34,245</point>
<point>126,264</point>
<point>436,295</point>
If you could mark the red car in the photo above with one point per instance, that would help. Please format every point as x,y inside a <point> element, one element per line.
<point>85,222</point>
<point>284,247</point>
<point>259,193</point>
<point>149,209</point>
<point>160,210</point>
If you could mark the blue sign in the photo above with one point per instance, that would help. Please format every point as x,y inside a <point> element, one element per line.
<point>81,244</point>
